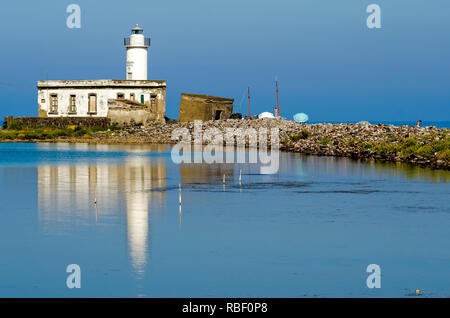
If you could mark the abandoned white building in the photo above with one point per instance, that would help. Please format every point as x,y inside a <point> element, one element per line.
<point>135,98</point>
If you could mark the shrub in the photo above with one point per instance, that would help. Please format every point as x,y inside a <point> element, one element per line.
<point>351,142</point>
<point>80,132</point>
<point>326,141</point>
<point>113,128</point>
<point>367,146</point>
<point>97,128</point>
<point>303,134</point>
<point>394,139</point>
<point>439,145</point>
<point>410,142</point>
<point>444,155</point>
<point>7,135</point>
<point>16,125</point>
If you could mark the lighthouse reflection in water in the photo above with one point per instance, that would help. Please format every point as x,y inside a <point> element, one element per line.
<point>84,194</point>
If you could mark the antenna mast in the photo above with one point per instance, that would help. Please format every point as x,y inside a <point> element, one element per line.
<point>278,102</point>
<point>249,113</point>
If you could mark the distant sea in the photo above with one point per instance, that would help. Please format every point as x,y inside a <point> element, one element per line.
<point>440,124</point>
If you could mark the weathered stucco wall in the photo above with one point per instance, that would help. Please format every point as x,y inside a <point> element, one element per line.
<point>86,122</point>
<point>204,107</point>
<point>143,91</point>
<point>123,112</point>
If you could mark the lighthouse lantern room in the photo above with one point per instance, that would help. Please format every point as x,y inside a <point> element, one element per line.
<point>137,50</point>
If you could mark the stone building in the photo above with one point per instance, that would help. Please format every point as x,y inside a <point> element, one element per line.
<point>135,98</point>
<point>204,107</point>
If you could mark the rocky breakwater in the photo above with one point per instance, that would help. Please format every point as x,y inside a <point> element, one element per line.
<point>426,146</point>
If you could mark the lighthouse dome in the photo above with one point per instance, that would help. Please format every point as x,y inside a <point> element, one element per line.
<point>137,30</point>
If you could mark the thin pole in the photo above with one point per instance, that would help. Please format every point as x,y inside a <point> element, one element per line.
<point>249,113</point>
<point>278,102</point>
<point>95,205</point>
<point>179,196</point>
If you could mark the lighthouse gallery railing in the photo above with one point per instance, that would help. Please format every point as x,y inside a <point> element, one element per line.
<point>126,41</point>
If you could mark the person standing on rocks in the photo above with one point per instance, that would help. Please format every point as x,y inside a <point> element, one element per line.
<point>418,123</point>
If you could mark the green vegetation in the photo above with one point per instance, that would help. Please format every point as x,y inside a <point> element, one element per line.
<point>303,134</point>
<point>394,139</point>
<point>326,141</point>
<point>385,148</point>
<point>366,146</point>
<point>15,125</point>
<point>17,131</point>
<point>427,146</point>
<point>352,142</point>
<point>444,155</point>
<point>429,136</point>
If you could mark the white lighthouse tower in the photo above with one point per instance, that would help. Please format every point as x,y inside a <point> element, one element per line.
<point>137,46</point>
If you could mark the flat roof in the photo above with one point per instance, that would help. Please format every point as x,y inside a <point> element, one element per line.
<point>208,97</point>
<point>103,83</point>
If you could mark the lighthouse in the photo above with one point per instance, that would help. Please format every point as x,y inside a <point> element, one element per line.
<point>122,101</point>
<point>137,50</point>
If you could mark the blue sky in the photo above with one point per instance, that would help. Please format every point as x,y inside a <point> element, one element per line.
<point>328,63</point>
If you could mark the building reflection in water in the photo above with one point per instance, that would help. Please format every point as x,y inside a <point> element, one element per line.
<point>66,196</point>
<point>316,165</point>
<point>206,173</point>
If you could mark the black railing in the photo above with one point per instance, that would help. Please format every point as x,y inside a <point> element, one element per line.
<point>127,42</point>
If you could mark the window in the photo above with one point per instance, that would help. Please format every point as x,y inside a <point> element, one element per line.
<point>152,103</point>
<point>43,100</point>
<point>54,103</point>
<point>132,97</point>
<point>72,105</point>
<point>142,99</point>
<point>92,104</point>
<point>120,96</point>
<point>129,76</point>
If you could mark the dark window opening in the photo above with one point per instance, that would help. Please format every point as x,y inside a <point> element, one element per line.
<point>120,96</point>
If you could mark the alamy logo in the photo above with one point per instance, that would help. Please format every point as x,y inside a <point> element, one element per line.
<point>374,19</point>
<point>374,279</point>
<point>209,146</point>
<point>74,19</point>
<point>74,279</point>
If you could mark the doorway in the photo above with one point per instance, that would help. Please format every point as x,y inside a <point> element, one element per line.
<point>217,115</point>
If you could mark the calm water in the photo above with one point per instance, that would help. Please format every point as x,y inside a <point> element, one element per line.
<point>310,230</point>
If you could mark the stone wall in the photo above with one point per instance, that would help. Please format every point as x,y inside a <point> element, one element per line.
<point>61,122</point>
<point>204,107</point>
